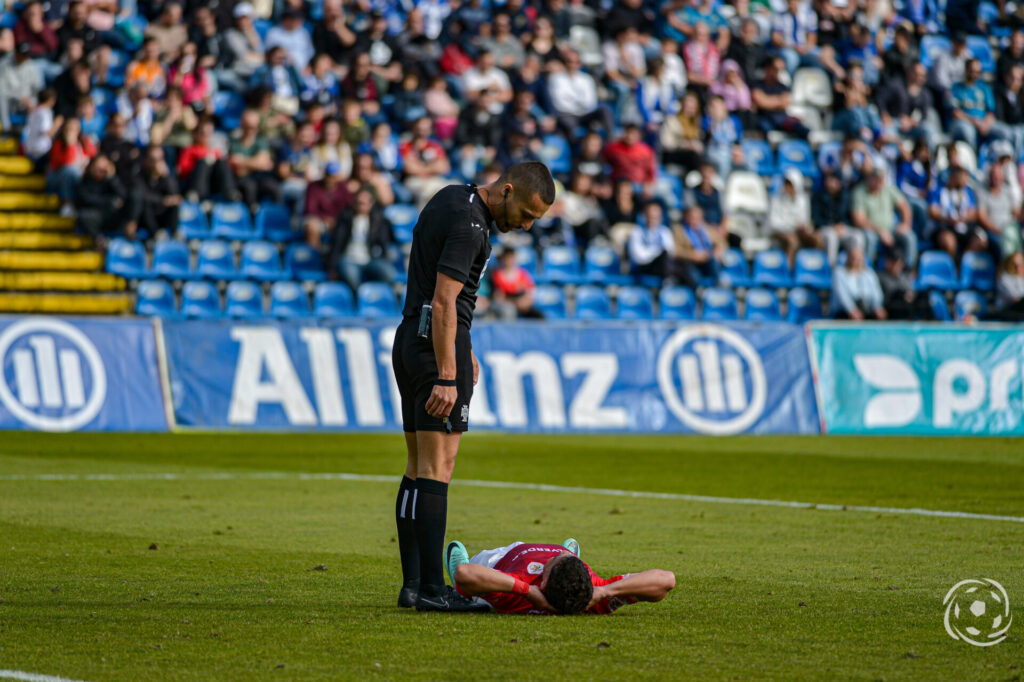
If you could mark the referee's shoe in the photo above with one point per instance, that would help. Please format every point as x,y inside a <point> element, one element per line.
<point>447,599</point>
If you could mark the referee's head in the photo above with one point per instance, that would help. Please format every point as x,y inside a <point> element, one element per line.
<point>524,193</point>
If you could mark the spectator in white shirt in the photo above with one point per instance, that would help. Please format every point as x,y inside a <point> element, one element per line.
<point>41,126</point>
<point>573,95</point>
<point>293,37</point>
<point>856,293</point>
<point>651,246</point>
<point>484,75</point>
<point>789,218</point>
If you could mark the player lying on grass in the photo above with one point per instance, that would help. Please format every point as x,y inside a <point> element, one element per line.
<point>543,579</point>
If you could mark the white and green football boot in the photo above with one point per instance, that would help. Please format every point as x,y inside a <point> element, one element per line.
<point>572,545</point>
<point>454,555</point>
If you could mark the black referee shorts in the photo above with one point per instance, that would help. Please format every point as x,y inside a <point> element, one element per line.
<point>416,370</point>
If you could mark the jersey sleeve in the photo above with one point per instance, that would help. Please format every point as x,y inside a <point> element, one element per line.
<point>461,247</point>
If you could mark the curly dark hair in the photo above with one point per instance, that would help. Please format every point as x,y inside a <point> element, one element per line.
<point>569,588</point>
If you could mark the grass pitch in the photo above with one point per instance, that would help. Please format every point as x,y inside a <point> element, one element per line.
<point>131,577</point>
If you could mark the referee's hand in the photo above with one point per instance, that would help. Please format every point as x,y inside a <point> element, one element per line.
<point>441,401</point>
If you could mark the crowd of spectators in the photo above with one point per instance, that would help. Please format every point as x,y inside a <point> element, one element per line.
<point>340,108</point>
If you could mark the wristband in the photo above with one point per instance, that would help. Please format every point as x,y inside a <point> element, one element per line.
<point>521,587</point>
<point>445,382</point>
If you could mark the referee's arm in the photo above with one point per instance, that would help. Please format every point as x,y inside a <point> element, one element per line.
<point>443,326</point>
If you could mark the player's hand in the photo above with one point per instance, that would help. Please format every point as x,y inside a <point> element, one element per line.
<point>441,401</point>
<point>537,598</point>
<point>476,368</point>
<point>598,596</point>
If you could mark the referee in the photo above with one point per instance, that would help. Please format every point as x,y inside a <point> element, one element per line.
<point>434,362</point>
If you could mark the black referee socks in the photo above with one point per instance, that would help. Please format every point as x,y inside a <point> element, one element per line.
<point>407,546</point>
<point>430,516</point>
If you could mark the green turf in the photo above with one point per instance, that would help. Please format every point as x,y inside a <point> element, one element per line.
<point>231,590</point>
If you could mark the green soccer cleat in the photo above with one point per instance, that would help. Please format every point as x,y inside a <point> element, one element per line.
<point>572,545</point>
<point>454,555</point>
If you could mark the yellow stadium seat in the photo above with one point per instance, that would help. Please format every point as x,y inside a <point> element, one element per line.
<point>44,240</point>
<point>61,281</point>
<point>86,304</point>
<point>50,260</point>
<point>24,183</point>
<point>35,221</point>
<point>15,165</point>
<point>25,201</point>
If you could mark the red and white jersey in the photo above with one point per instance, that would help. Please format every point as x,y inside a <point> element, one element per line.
<point>525,561</point>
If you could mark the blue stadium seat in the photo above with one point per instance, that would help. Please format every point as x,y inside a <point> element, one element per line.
<point>758,156</point>
<point>304,263</point>
<point>829,154</point>
<point>287,299</point>
<point>105,102</point>
<point>932,46</point>
<point>115,71</point>
<point>762,305</point>
<point>969,303</point>
<point>635,303</point>
<point>940,308</point>
<point>550,300</point>
<point>192,222</point>
<point>155,297</point>
<point>735,269</point>
<point>718,304</point>
<point>592,303</point>
<point>936,270</point>
<point>403,219</point>
<point>556,154</point>
<point>802,305</point>
<point>232,221</point>
<point>772,270</point>
<point>669,188</point>
<point>228,106</point>
<point>262,262</point>
<point>171,260</point>
<point>561,264</point>
<point>977,271</point>
<point>797,154</point>
<point>981,50</point>
<point>376,299</point>
<point>601,265</point>
<point>812,269</point>
<point>333,299</point>
<point>8,19</point>
<point>126,258</point>
<point>526,257</point>
<point>216,261</point>
<point>243,300</point>
<point>677,303</point>
<point>274,223</point>
<point>200,300</point>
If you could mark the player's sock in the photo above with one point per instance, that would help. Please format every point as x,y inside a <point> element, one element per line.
<point>431,517</point>
<point>407,546</point>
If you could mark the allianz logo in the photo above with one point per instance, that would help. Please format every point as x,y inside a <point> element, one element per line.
<point>958,387</point>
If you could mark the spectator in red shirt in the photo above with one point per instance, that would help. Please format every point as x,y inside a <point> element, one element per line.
<point>632,159</point>
<point>425,162</point>
<point>203,169</point>
<point>513,289</point>
<point>325,200</point>
<point>69,155</point>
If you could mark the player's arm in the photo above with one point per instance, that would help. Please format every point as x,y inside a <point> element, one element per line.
<point>475,580</point>
<point>443,325</point>
<point>650,585</point>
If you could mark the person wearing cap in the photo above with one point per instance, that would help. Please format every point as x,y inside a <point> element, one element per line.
<point>292,35</point>
<point>789,216</point>
<point>244,45</point>
<point>875,204</point>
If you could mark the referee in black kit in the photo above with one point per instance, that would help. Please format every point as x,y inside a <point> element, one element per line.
<point>434,362</point>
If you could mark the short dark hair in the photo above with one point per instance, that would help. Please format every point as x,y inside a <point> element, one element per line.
<point>569,588</point>
<point>529,178</point>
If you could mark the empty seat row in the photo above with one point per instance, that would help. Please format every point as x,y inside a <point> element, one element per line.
<point>795,154</point>
<point>243,300</point>
<point>936,270</point>
<point>232,220</point>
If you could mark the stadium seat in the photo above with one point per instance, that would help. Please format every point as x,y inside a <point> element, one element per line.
<point>759,157</point>
<point>376,299</point>
<point>171,260</point>
<point>812,269</point>
<point>155,298</point>
<point>526,257</point>
<point>333,299</point>
<point>969,303</point>
<point>232,221</point>
<point>669,188</point>
<point>940,308</point>
<point>105,102</point>
<point>718,304</point>
<point>677,303</point>
<point>812,86</point>
<point>304,263</point>
<point>635,303</point>
<point>403,219</point>
<point>192,223</point>
<point>802,305</point>
<point>829,154</point>
<point>200,300</point>
<point>550,300</point>
<point>116,68</point>
<point>772,270</point>
<point>228,106</point>
<point>601,265</point>
<point>262,262</point>
<point>592,303</point>
<point>555,152</point>
<point>216,261</point>
<point>126,258</point>
<point>932,46</point>
<point>274,223</point>
<point>977,271</point>
<point>745,191</point>
<point>561,265</point>
<point>762,305</point>
<point>797,154</point>
<point>243,300</point>
<point>287,299</point>
<point>981,50</point>
<point>735,269</point>
<point>936,270</point>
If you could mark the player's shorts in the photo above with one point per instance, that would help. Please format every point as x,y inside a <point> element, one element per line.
<point>416,370</point>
